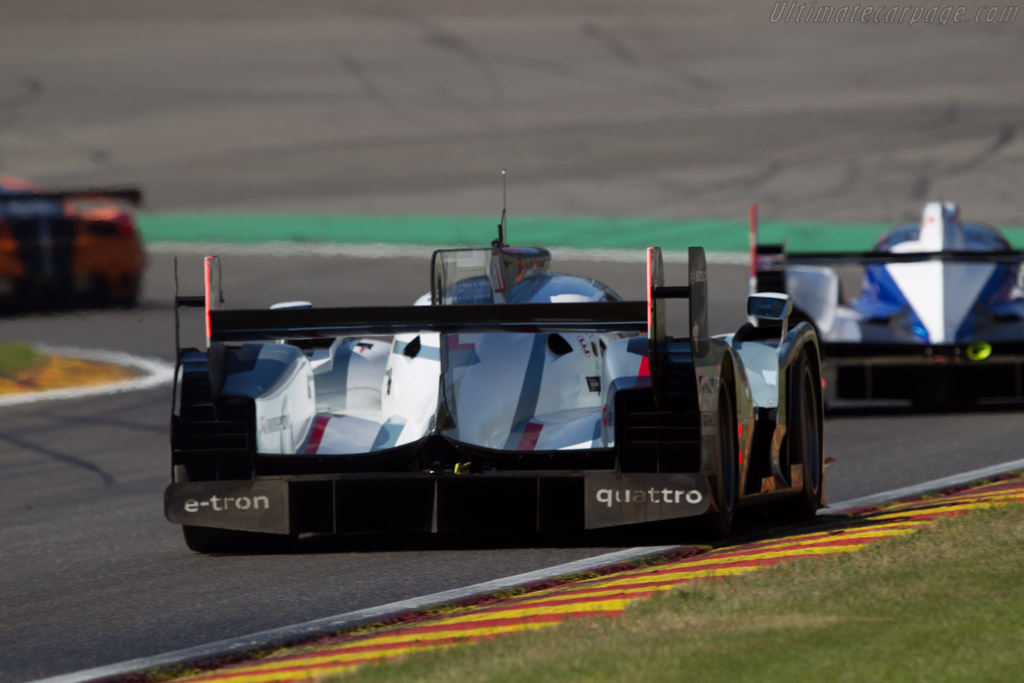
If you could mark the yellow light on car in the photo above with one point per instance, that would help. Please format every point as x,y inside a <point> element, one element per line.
<point>979,351</point>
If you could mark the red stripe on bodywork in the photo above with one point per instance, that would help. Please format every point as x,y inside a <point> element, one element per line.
<point>454,344</point>
<point>318,433</point>
<point>645,368</point>
<point>530,435</point>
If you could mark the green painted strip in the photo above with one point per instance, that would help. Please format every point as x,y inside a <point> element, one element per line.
<point>584,232</point>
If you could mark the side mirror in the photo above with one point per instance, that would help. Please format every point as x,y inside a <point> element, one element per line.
<point>769,305</point>
<point>772,306</point>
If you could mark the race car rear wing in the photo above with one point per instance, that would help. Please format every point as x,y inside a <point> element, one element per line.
<point>129,195</point>
<point>874,257</point>
<point>309,323</point>
<point>768,262</point>
<point>29,205</point>
<point>312,323</point>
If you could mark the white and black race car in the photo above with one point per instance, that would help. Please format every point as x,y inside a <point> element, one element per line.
<point>939,320</point>
<point>508,399</point>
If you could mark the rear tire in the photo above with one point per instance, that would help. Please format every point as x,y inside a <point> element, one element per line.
<point>207,540</point>
<point>806,442</point>
<point>724,486</point>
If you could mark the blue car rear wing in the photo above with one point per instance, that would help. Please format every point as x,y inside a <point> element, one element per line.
<point>882,257</point>
<point>768,262</point>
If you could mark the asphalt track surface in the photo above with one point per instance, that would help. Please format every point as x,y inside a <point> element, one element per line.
<point>680,110</point>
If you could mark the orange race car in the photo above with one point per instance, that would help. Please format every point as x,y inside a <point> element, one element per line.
<point>69,247</point>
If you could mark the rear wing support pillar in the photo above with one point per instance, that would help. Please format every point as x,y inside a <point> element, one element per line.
<point>211,300</point>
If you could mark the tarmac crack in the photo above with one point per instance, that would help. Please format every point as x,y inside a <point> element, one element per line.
<point>14,106</point>
<point>1004,137</point>
<point>356,69</point>
<point>71,460</point>
<point>616,47</point>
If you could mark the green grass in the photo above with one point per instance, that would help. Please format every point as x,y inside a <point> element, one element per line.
<point>581,232</point>
<point>944,604</point>
<point>15,356</point>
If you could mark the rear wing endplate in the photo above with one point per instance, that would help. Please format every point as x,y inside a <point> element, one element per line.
<point>657,293</point>
<point>211,299</point>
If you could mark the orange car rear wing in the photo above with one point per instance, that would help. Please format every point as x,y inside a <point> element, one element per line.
<point>128,195</point>
<point>27,206</point>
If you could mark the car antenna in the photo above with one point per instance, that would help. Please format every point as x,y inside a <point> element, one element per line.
<point>502,227</point>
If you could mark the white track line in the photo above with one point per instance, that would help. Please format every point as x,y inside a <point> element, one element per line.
<point>389,251</point>
<point>156,372</point>
<point>926,487</point>
<point>340,622</point>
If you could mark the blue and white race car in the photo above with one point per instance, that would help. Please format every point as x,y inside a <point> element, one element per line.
<point>939,320</point>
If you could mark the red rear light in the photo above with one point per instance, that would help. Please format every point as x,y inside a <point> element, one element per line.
<point>118,224</point>
<point>124,225</point>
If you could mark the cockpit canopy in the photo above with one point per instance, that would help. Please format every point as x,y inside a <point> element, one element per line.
<point>508,275</point>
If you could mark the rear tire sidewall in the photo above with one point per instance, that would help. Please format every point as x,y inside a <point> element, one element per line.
<point>806,442</point>
<point>724,487</point>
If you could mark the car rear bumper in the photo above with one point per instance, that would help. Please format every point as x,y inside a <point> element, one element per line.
<point>426,503</point>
